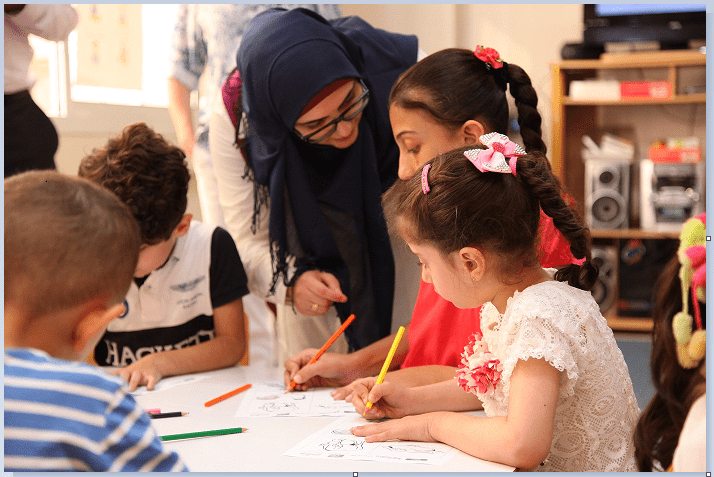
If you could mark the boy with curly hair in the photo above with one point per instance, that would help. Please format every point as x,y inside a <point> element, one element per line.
<point>71,248</point>
<point>184,307</point>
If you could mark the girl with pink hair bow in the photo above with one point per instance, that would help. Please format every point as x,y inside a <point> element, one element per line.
<point>545,366</point>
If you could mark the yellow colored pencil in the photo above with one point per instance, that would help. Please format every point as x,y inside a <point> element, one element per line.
<point>386,364</point>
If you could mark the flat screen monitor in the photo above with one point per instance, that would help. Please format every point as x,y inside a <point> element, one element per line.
<point>672,25</point>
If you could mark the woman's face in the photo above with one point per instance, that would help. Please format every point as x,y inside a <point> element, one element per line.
<point>419,138</point>
<point>343,99</point>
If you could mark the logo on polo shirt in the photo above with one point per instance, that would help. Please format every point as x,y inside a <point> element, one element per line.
<point>188,286</point>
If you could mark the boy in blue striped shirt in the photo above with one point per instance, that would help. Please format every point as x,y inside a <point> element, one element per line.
<point>63,285</point>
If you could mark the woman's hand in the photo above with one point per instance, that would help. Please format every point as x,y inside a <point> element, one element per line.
<point>315,291</point>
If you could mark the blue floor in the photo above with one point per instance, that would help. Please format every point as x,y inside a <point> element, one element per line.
<point>636,350</point>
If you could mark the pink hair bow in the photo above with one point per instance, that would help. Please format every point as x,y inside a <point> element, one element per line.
<point>493,159</point>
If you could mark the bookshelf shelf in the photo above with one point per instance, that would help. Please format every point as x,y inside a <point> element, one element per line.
<point>571,119</point>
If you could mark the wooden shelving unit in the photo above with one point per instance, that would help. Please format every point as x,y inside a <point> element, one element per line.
<point>688,99</point>
<point>571,119</point>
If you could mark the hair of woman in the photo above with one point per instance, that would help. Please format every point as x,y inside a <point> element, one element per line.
<point>456,86</point>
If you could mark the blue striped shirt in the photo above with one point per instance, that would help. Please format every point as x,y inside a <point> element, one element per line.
<point>74,417</point>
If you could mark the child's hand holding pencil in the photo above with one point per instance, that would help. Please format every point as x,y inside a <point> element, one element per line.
<point>366,392</point>
<point>324,348</point>
<point>386,364</point>
<point>330,371</point>
<point>389,400</point>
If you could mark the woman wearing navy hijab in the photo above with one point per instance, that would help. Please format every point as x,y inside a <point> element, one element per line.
<point>319,151</point>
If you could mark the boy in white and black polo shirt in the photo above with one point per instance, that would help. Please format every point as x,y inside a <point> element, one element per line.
<point>184,312</point>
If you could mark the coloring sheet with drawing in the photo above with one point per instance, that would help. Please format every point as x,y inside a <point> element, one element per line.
<point>271,400</point>
<point>336,442</point>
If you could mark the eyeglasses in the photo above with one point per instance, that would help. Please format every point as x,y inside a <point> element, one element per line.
<point>328,129</point>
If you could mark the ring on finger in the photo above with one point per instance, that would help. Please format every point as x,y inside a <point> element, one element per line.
<point>315,307</point>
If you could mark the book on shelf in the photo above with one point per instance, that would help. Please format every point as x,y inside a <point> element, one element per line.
<point>645,90</point>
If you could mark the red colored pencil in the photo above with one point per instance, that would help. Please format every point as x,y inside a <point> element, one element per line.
<point>227,395</point>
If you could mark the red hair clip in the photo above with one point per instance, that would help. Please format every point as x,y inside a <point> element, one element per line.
<point>489,56</point>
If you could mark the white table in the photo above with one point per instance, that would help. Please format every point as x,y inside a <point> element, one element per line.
<point>261,448</point>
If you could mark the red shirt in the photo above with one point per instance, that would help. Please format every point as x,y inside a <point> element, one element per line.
<point>439,331</point>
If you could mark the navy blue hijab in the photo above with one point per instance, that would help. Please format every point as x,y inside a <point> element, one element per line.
<point>325,205</point>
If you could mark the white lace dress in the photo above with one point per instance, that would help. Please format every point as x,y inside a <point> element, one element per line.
<point>597,409</point>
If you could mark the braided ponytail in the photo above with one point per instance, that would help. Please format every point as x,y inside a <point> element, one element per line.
<point>535,173</point>
<point>529,119</point>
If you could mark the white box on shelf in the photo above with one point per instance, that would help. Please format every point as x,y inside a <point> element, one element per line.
<point>595,90</point>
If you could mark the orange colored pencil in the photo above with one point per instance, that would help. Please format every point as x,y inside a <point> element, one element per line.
<point>332,339</point>
<point>227,395</point>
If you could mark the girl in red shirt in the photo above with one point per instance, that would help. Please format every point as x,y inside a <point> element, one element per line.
<point>445,101</point>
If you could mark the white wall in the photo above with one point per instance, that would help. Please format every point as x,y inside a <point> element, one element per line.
<point>436,25</point>
<point>530,36</point>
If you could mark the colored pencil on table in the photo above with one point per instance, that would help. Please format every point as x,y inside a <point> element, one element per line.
<point>215,432</point>
<point>161,415</point>
<point>227,395</point>
<point>332,339</point>
<point>386,364</point>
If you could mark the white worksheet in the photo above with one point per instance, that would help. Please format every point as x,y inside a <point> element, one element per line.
<point>271,400</point>
<point>171,382</point>
<point>336,442</point>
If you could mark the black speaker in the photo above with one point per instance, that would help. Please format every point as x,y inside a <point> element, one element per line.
<point>581,51</point>
<point>605,286</point>
<point>607,192</point>
<point>640,263</point>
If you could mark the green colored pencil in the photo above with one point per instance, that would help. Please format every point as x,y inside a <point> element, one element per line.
<point>216,432</point>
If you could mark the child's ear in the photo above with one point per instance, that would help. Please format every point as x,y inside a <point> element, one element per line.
<point>183,226</point>
<point>92,323</point>
<point>474,262</point>
<point>470,131</point>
